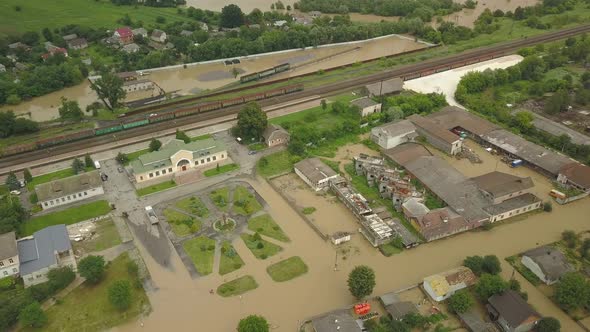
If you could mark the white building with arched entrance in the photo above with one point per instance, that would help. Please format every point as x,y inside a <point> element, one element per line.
<point>176,157</point>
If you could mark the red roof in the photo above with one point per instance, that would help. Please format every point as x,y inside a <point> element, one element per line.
<point>124,32</point>
<point>54,51</point>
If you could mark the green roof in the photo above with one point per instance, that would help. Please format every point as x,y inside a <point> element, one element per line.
<point>160,159</point>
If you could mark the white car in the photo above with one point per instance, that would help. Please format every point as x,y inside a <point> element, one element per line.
<point>15,192</point>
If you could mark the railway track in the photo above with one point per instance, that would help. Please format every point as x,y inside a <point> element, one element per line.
<point>427,67</point>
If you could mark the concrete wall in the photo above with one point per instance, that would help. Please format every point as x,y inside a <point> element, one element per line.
<point>139,86</point>
<point>314,186</point>
<point>371,110</point>
<point>68,199</point>
<point>440,144</point>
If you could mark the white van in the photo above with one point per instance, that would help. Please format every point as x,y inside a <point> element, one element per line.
<point>96,164</point>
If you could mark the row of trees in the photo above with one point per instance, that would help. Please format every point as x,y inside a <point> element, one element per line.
<point>416,8</point>
<point>11,125</point>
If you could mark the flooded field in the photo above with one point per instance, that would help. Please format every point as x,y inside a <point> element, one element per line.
<point>194,79</point>
<point>467,17</point>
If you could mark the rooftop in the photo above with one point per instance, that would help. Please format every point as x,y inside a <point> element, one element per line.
<point>577,173</point>
<point>341,321</point>
<point>551,261</point>
<point>432,128</point>
<point>39,251</point>
<point>67,186</point>
<point>393,85</point>
<point>396,307</point>
<point>512,204</point>
<point>452,116</point>
<point>394,129</point>
<point>501,184</point>
<point>441,283</point>
<point>157,33</point>
<point>415,207</point>
<point>441,222</point>
<point>8,245</point>
<point>314,169</point>
<point>407,152</point>
<point>364,102</point>
<point>273,128</point>
<point>513,308</point>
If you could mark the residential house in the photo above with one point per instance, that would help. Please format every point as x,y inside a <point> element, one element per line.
<point>340,321</point>
<point>131,48</point>
<point>54,51</point>
<point>275,135</point>
<point>9,263</point>
<point>69,190</point>
<point>279,23</point>
<point>140,32</point>
<point>393,134</point>
<point>2,68</point>
<point>315,173</point>
<point>46,249</point>
<point>186,33</point>
<point>176,157</point>
<point>124,35</point>
<point>388,87</point>
<point>367,106</point>
<point>442,286</point>
<point>395,307</point>
<point>547,263</point>
<point>440,138</point>
<point>158,36</point>
<point>78,43</point>
<point>511,312</point>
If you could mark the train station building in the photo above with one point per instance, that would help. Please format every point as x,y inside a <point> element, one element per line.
<point>176,156</point>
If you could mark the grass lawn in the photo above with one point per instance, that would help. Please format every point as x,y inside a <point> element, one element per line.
<point>244,202</point>
<point>38,14</point>
<point>87,308</point>
<point>193,205</point>
<point>257,146</point>
<point>155,188</point>
<point>230,260</point>
<point>106,236</point>
<point>237,286</point>
<point>220,197</point>
<point>181,223</point>
<point>63,173</point>
<point>389,249</point>
<point>222,169</point>
<point>268,249</point>
<point>68,217</point>
<point>287,269</point>
<point>265,225</point>
<point>276,163</point>
<point>201,250</point>
<point>523,270</point>
<point>200,138</point>
<point>134,155</point>
<point>308,210</point>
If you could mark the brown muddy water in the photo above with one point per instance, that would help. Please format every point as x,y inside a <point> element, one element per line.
<point>214,75</point>
<point>184,304</point>
<point>467,17</point>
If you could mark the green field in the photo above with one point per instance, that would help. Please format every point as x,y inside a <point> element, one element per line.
<point>222,169</point>
<point>63,173</point>
<point>38,14</point>
<point>68,217</point>
<point>265,225</point>
<point>276,163</point>
<point>244,202</point>
<point>220,197</point>
<point>201,250</point>
<point>105,236</point>
<point>230,260</point>
<point>181,223</point>
<point>287,269</point>
<point>193,205</point>
<point>237,286</point>
<point>316,116</point>
<point>87,308</point>
<point>156,188</point>
<point>261,252</point>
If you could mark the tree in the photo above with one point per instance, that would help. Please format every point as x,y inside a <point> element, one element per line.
<point>253,323</point>
<point>324,104</point>
<point>155,145</point>
<point>231,16</point>
<point>120,294</point>
<point>88,162</point>
<point>549,324</point>
<point>460,302</point>
<point>70,110</point>
<point>12,181</point>
<point>109,89</point>
<point>122,158</point>
<point>92,268</point>
<point>570,238</point>
<point>60,278</point>
<point>181,135</point>
<point>27,175</point>
<point>77,166</point>
<point>32,316</point>
<point>572,291</point>
<point>489,285</point>
<point>491,264</point>
<point>475,263</point>
<point>252,121</point>
<point>361,281</point>
<point>547,207</point>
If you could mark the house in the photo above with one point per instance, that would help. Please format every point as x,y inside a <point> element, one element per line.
<point>440,138</point>
<point>511,312</point>
<point>279,23</point>
<point>46,249</point>
<point>474,321</point>
<point>367,106</point>
<point>137,85</point>
<point>140,32</point>
<point>131,48</point>
<point>395,307</point>
<point>176,156</point>
<point>158,36</point>
<point>54,51</point>
<point>340,320</point>
<point>49,46</point>
<point>384,88</point>
<point>499,186</point>
<point>124,35</point>
<point>19,45</point>
<point>393,134</point>
<point>315,173</point>
<point>9,263</point>
<point>67,38</point>
<point>2,68</point>
<point>69,190</point>
<point>78,43</point>
<point>186,33</point>
<point>442,286</point>
<point>275,135</point>
<point>547,263</point>
<point>340,237</point>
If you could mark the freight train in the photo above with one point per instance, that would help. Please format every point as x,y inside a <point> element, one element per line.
<point>265,73</point>
<point>143,120</point>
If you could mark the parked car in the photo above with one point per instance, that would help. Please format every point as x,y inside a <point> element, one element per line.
<point>104,177</point>
<point>15,192</point>
<point>251,152</point>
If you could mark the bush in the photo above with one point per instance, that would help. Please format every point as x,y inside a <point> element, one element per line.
<point>460,302</point>
<point>547,207</point>
<point>92,268</point>
<point>32,316</point>
<point>569,238</point>
<point>120,294</point>
<point>253,323</point>
<point>260,245</point>
<point>60,278</point>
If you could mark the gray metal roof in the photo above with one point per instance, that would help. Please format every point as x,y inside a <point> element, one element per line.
<point>314,169</point>
<point>433,129</point>
<point>67,186</point>
<point>500,184</point>
<point>452,116</point>
<point>394,129</point>
<point>8,245</point>
<point>513,308</point>
<point>512,204</point>
<point>393,85</point>
<point>336,321</point>
<point>551,261</point>
<point>364,102</point>
<point>38,252</point>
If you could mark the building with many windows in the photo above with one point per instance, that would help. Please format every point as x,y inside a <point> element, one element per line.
<point>8,255</point>
<point>177,156</point>
<point>69,190</point>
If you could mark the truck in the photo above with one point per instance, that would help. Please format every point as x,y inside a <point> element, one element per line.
<point>516,163</point>
<point>151,215</point>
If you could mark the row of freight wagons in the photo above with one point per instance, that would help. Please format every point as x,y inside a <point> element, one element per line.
<point>265,73</point>
<point>152,118</point>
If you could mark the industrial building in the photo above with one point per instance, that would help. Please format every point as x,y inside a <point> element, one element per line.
<point>315,173</point>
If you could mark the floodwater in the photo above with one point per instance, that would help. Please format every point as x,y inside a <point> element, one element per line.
<point>214,75</point>
<point>182,303</point>
<point>246,5</point>
<point>467,17</point>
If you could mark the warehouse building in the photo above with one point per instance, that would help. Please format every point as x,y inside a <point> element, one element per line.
<point>393,134</point>
<point>440,138</point>
<point>315,173</point>
<point>69,190</point>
